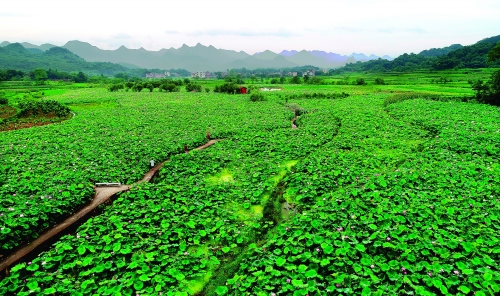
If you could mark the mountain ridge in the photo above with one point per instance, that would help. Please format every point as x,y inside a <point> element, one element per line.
<point>201,57</point>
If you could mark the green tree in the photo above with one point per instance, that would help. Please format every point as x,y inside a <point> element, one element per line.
<point>494,53</point>
<point>489,93</point>
<point>193,87</point>
<point>122,75</point>
<point>137,86</point>
<point>360,81</point>
<point>81,77</point>
<point>156,83</point>
<point>149,86</point>
<point>40,75</point>
<point>295,80</point>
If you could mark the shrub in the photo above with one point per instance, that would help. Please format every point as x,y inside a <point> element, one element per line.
<point>4,101</point>
<point>488,93</point>
<point>315,81</point>
<point>137,86</point>
<point>360,81</point>
<point>115,87</point>
<point>193,87</point>
<point>236,80</point>
<point>297,110</point>
<point>149,86</point>
<point>169,87</point>
<point>228,88</point>
<point>379,81</point>
<point>256,97</point>
<point>30,107</point>
<point>252,88</point>
<point>295,80</point>
<point>156,83</point>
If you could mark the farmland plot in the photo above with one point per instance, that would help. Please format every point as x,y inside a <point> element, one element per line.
<point>47,173</point>
<point>389,207</point>
<point>202,210</point>
<point>358,200</point>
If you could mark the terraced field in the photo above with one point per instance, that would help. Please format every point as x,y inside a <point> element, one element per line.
<point>358,199</point>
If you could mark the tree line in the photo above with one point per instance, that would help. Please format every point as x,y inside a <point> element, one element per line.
<point>472,56</point>
<point>41,75</point>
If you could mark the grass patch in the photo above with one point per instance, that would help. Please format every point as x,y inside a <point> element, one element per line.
<point>225,176</point>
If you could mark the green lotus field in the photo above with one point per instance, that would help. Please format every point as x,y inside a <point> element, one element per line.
<point>369,195</point>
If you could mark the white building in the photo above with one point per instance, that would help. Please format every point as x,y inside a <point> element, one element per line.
<point>199,74</point>
<point>158,75</point>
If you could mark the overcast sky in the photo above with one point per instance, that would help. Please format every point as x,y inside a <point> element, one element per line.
<point>380,27</point>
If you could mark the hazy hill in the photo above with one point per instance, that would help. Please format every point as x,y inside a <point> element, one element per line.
<point>90,53</point>
<point>288,53</point>
<point>303,58</point>
<point>41,48</point>
<point>257,61</point>
<point>266,55</point>
<point>471,56</point>
<point>436,52</point>
<point>15,56</point>
<point>330,56</point>
<point>200,57</point>
<point>333,59</point>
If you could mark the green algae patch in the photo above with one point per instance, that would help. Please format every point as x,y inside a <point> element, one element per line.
<point>254,212</point>
<point>225,176</point>
<point>281,174</point>
<point>289,164</point>
<point>196,286</point>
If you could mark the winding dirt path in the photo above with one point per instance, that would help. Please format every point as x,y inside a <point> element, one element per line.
<point>102,195</point>
<point>293,122</point>
<point>208,144</point>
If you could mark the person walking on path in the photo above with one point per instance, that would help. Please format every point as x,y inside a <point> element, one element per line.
<point>208,136</point>
<point>186,149</point>
<point>152,163</point>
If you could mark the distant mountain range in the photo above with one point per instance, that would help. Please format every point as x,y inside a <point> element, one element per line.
<point>77,56</point>
<point>454,56</point>
<point>16,56</point>
<point>203,58</point>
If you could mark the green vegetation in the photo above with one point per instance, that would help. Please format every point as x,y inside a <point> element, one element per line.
<point>45,107</point>
<point>15,56</point>
<point>469,57</point>
<point>362,183</point>
<point>192,86</point>
<point>28,110</point>
<point>228,88</point>
<point>489,92</point>
<point>60,63</point>
<point>437,52</point>
<point>374,211</point>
